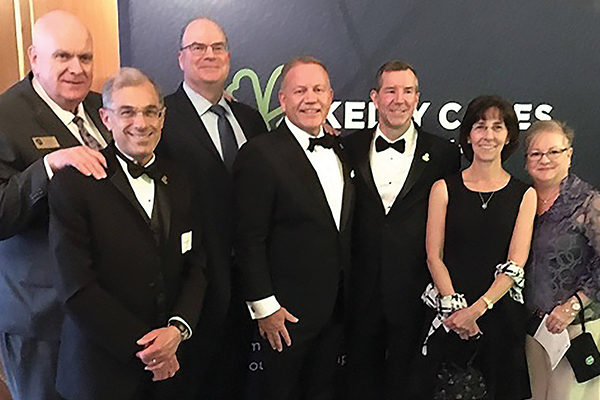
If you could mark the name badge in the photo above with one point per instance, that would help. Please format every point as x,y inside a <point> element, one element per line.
<point>186,242</point>
<point>45,142</point>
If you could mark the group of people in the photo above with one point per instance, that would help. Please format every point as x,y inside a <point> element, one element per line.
<point>140,237</point>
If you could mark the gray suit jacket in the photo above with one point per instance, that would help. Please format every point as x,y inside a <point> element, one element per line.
<point>28,302</point>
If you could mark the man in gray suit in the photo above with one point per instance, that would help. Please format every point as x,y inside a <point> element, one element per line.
<point>48,121</point>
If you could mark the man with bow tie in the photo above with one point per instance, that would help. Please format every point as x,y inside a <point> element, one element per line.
<point>294,204</point>
<point>130,267</point>
<point>396,163</point>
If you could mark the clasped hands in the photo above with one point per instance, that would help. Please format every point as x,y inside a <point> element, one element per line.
<point>158,353</point>
<point>464,322</point>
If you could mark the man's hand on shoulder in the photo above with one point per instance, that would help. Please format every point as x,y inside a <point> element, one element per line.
<point>273,328</point>
<point>85,160</point>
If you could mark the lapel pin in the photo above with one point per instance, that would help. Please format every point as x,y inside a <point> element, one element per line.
<point>351,174</point>
<point>425,157</point>
<point>164,180</point>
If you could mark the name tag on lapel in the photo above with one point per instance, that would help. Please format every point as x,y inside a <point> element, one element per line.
<point>186,242</point>
<point>45,142</point>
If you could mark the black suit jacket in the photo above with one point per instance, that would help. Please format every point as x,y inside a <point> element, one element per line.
<point>28,300</point>
<point>186,140</point>
<point>389,258</point>
<point>287,242</point>
<point>116,280</point>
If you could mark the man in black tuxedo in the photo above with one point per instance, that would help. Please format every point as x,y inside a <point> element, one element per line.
<point>48,121</point>
<point>202,133</point>
<point>294,204</point>
<point>396,163</point>
<point>130,266</point>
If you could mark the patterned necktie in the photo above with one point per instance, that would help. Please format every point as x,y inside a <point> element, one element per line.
<point>381,144</point>
<point>87,137</point>
<point>226,135</point>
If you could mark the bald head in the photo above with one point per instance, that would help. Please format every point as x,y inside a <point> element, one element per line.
<point>61,58</point>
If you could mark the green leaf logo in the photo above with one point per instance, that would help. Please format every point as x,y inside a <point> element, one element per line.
<point>262,99</point>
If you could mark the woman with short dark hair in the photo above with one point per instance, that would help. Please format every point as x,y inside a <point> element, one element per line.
<point>478,234</point>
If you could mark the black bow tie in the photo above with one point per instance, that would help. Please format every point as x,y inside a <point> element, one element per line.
<point>136,170</point>
<point>381,144</point>
<point>327,141</point>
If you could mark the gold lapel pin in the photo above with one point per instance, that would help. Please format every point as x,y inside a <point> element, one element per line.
<point>164,180</point>
<point>425,157</point>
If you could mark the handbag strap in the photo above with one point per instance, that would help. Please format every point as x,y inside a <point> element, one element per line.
<point>580,311</point>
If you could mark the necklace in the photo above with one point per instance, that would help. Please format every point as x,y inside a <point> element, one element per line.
<point>549,199</point>
<point>484,204</point>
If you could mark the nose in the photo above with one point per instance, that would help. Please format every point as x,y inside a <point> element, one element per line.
<point>209,53</point>
<point>75,66</point>
<point>139,121</point>
<point>310,96</point>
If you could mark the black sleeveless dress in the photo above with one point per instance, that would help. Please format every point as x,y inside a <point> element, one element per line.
<point>476,240</point>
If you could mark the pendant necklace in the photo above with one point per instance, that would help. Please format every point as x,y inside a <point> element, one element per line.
<point>484,204</point>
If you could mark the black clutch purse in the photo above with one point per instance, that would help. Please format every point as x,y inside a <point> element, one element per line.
<point>583,355</point>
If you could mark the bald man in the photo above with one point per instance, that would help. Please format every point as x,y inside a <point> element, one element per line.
<point>48,121</point>
<point>205,143</point>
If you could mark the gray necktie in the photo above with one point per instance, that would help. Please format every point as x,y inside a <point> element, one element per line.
<point>87,137</point>
<point>226,135</point>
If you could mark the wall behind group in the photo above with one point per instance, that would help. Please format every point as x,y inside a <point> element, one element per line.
<point>542,55</point>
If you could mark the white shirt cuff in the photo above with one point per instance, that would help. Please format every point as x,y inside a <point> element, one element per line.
<point>263,308</point>
<point>49,171</point>
<point>177,318</point>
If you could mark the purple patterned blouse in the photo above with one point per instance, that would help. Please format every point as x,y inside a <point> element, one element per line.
<point>565,250</point>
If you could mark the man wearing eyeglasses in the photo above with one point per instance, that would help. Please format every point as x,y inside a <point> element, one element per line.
<point>48,121</point>
<point>129,263</point>
<point>203,132</point>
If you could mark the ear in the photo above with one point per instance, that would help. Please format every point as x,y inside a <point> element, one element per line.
<point>374,95</point>
<point>281,97</point>
<point>32,55</point>
<point>105,117</point>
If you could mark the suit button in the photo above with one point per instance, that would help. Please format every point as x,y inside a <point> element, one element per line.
<point>152,285</point>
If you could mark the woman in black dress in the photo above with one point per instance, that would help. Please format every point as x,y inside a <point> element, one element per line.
<point>479,230</point>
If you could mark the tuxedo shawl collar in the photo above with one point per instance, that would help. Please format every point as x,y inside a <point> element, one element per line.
<point>117,177</point>
<point>417,166</point>
<point>309,186</point>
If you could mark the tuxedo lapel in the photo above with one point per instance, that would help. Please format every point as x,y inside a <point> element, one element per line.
<point>363,165</point>
<point>119,180</point>
<point>162,202</point>
<point>95,117</point>
<point>348,193</point>
<point>194,125</point>
<point>419,163</point>
<point>308,184</point>
<point>49,122</point>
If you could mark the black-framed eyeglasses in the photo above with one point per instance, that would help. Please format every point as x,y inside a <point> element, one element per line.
<point>200,48</point>
<point>552,154</point>
<point>127,113</point>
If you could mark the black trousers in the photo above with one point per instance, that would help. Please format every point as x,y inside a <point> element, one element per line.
<point>381,354</point>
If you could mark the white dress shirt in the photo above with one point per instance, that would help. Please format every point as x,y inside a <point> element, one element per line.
<point>210,119</point>
<point>390,167</point>
<point>66,117</point>
<point>144,190</point>
<point>330,173</point>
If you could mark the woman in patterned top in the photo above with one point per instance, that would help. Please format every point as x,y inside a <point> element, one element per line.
<point>564,262</point>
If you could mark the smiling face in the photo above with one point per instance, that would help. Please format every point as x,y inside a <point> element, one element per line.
<point>61,58</point>
<point>396,100</point>
<point>549,169</point>
<point>134,133</point>
<point>208,68</point>
<point>305,96</point>
<point>488,136</point>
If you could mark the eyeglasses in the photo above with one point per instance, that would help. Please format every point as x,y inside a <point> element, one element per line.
<point>552,154</point>
<point>128,113</point>
<point>199,49</point>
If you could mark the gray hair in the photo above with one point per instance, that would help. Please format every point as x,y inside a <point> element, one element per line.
<point>553,125</point>
<point>127,77</point>
<point>306,59</point>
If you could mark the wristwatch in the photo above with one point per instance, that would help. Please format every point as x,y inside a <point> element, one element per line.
<point>185,333</point>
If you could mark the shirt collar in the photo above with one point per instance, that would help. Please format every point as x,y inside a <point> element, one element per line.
<point>65,116</point>
<point>201,104</point>
<point>301,136</point>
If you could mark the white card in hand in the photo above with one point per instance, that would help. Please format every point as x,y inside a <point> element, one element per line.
<point>555,344</point>
<point>186,242</point>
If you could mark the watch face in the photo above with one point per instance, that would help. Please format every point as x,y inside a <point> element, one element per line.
<point>576,306</point>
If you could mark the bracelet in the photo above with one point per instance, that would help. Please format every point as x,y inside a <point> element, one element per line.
<point>488,303</point>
